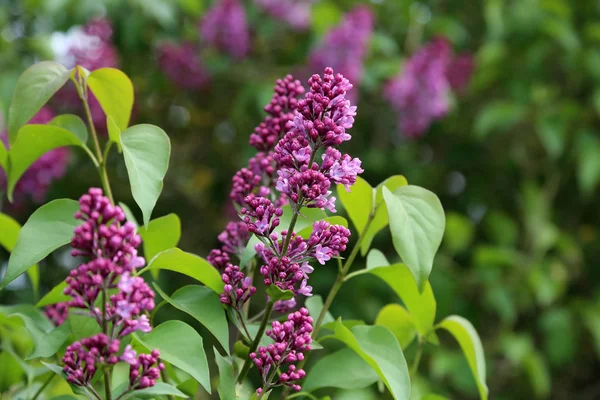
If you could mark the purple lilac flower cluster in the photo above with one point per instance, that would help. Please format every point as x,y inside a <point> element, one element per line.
<point>292,339</point>
<point>36,181</point>
<point>182,65</point>
<point>110,244</point>
<point>225,27</point>
<point>420,93</point>
<point>296,13</point>
<point>344,47</point>
<point>57,313</point>
<point>290,140</point>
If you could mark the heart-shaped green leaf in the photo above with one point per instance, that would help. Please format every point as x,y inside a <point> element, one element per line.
<point>468,339</point>
<point>48,228</point>
<point>73,124</point>
<point>188,264</point>
<point>46,342</point>
<point>55,295</point>
<point>146,149</point>
<point>114,92</point>
<point>204,305</point>
<point>34,88</point>
<point>161,234</point>
<point>157,391</point>
<point>417,221</point>
<point>9,232</point>
<point>180,345</point>
<point>399,322</point>
<point>381,350</point>
<point>226,386</point>
<point>344,369</point>
<point>33,141</point>
<point>276,294</point>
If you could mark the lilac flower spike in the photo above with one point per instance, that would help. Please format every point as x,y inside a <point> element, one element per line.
<point>110,244</point>
<point>420,93</point>
<point>296,13</point>
<point>344,47</point>
<point>225,27</point>
<point>292,340</point>
<point>182,65</point>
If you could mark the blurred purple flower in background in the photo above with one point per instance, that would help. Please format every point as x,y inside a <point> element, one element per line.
<point>420,92</point>
<point>225,27</point>
<point>90,47</point>
<point>36,181</point>
<point>345,46</point>
<point>296,13</point>
<point>182,65</point>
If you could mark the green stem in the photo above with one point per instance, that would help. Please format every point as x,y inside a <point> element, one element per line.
<point>41,389</point>
<point>165,378</point>
<point>290,230</point>
<point>417,360</point>
<point>107,391</point>
<point>340,278</point>
<point>100,157</point>
<point>259,335</point>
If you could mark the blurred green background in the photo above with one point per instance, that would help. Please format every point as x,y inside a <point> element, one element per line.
<point>516,162</point>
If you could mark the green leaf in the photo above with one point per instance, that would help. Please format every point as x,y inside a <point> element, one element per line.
<point>180,345</point>
<point>3,157</point>
<point>465,334</point>
<point>376,258</point>
<point>417,226</point>
<point>46,342</point>
<point>73,124</point>
<point>188,264</point>
<point>114,92</point>
<point>34,88</point>
<point>276,294</point>
<point>161,234</point>
<point>76,389</point>
<point>56,295</point>
<point>343,369</point>
<point>146,149</point>
<point>9,232</point>
<point>114,133</point>
<point>588,168</point>
<point>35,140</point>
<point>421,305</point>
<point>498,116</point>
<point>381,350</point>
<point>399,322</point>
<point>226,386</point>
<point>159,389</point>
<point>204,305</point>
<point>48,228</point>
<point>83,326</point>
<point>380,219</point>
<point>128,214</point>
<point>358,203</point>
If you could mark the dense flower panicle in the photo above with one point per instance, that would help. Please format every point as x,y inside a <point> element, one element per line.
<point>225,27</point>
<point>37,179</point>
<point>219,259</point>
<point>238,288</point>
<point>296,13</point>
<point>57,313</point>
<point>420,93</point>
<point>182,65</point>
<point>244,183</point>
<point>309,187</point>
<point>144,369</point>
<point>292,340</point>
<point>280,110</point>
<point>327,241</point>
<point>83,358</point>
<point>134,297</point>
<point>260,215</point>
<point>460,71</point>
<point>325,113</point>
<point>344,47</point>
<point>101,236</point>
<point>234,238</point>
